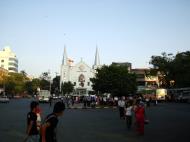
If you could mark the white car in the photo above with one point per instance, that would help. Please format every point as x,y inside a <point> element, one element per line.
<point>4,99</point>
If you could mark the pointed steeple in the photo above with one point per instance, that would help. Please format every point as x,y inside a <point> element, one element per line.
<point>64,61</point>
<point>97,59</point>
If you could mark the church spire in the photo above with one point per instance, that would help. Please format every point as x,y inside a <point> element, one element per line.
<point>97,59</point>
<point>64,61</point>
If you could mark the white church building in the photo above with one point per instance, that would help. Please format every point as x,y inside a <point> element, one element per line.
<point>78,74</point>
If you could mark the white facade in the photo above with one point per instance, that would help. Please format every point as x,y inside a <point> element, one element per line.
<point>8,60</point>
<point>78,74</point>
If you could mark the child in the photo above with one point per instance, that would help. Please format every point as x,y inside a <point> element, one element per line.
<point>32,131</point>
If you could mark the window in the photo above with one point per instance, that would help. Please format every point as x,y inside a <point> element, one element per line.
<point>2,61</point>
<point>88,83</point>
<point>74,83</point>
<point>12,69</point>
<point>13,59</point>
<point>81,78</point>
<point>13,64</point>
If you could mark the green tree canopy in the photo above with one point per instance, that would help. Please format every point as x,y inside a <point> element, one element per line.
<point>115,80</point>
<point>172,68</point>
<point>67,88</point>
<point>181,69</point>
<point>15,83</point>
<point>55,87</point>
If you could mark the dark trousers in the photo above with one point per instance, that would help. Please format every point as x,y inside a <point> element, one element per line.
<point>121,112</point>
<point>128,121</point>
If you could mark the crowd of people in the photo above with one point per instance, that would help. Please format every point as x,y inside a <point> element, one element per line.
<point>44,131</point>
<point>130,108</point>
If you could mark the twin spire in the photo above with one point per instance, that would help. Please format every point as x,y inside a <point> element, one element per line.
<point>64,61</point>
<point>97,58</point>
<point>96,61</point>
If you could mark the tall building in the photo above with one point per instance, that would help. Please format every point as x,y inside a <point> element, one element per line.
<point>78,74</point>
<point>8,60</point>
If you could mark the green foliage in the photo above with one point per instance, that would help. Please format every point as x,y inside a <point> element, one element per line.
<point>67,88</point>
<point>29,87</point>
<point>35,84</point>
<point>44,84</point>
<point>115,80</point>
<point>15,83</point>
<point>18,83</point>
<point>55,87</point>
<point>45,76</point>
<point>181,69</point>
<point>172,68</point>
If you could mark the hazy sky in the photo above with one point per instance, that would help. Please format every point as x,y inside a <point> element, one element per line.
<point>124,30</point>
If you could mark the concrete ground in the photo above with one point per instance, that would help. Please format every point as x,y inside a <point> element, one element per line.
<point>169,122</point>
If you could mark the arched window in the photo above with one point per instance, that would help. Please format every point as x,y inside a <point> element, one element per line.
<point>81,78</point>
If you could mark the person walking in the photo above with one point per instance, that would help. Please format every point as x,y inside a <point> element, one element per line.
<point>121,105</point>
<point>48,129</point>
<point>50,101</point>
<point>128,114</point>
<point>140,117</point>
<point>38,112</point>
<point>32,130</point>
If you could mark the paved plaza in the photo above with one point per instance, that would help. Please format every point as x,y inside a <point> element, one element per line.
<point>169,122</point>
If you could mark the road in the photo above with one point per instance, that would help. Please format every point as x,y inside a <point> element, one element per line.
<point>169,122</point>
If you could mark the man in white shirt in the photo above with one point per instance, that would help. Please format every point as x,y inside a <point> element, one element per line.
<point>121,105</point>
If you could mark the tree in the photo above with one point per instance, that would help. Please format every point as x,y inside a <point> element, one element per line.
<point>35,84</point>
<point>44,84</point>
<point>67,88</point>
<point>15,83</point>
<point>23,73</point>
<point>173,71</point>
<point>55,87</point>
<point>181,69</point>
<point>45,76</point>
<point>29,87</point>
<point>3,78</point>
<point>45,81</point>
<point>162,67</point>
<point>115,80</point>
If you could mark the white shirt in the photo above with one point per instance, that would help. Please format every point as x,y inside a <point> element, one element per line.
<point>121,103</point>
<point>128,111</point>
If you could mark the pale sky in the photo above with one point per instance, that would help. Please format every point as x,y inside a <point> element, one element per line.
<point>124,30</point>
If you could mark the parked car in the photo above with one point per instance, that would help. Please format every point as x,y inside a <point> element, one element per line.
<point>4,99</point>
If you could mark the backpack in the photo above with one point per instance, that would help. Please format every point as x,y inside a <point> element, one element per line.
<point>46,120</point>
